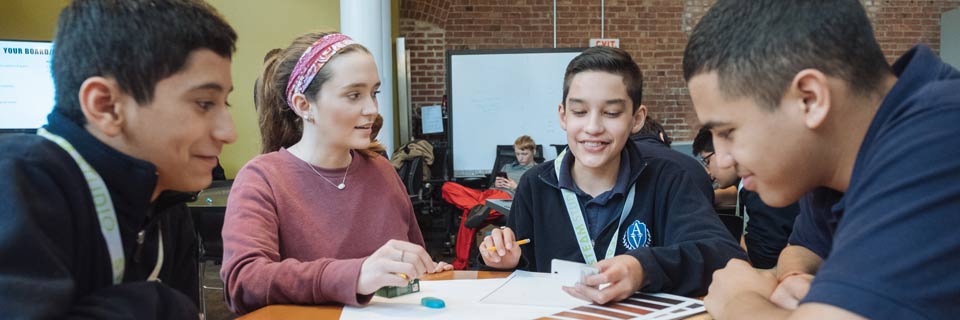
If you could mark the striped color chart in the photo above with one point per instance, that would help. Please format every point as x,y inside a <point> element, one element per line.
<point>658,306</point>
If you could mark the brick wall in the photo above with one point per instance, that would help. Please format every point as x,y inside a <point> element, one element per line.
<point>900,24</point>
<point>653,31</point>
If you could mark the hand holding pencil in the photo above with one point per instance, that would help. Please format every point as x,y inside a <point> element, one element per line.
<point>519,242</point>
<point>500,249</point>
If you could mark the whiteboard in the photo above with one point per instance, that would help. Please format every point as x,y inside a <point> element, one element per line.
<point>496,96</point>
<point>26,85</point>
<point>950,37</point>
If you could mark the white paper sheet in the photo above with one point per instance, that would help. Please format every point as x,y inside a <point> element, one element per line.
<point>461,298</point>
<point>432,119</point>
<point>532,289</point>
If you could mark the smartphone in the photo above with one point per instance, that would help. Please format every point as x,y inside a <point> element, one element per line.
<point>569,272</point>
<point>502,174</point>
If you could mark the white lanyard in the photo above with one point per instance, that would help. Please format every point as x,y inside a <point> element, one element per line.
<point>742,210</point>
<point>105,211</point>
<point>580,227</point>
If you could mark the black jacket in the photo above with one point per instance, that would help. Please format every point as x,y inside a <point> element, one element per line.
<point>54,261</point>
<point>652,147</point>
<point>687,240</point>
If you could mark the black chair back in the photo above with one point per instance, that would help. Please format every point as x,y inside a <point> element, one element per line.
<point>439,168</point>
<point>411,173</point>
<point>507,150</point>
<point>209,223</point>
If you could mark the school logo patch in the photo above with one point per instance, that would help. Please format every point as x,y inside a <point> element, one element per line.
<point>637,236</point>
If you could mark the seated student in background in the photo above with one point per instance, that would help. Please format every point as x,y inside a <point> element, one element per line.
<point>653,142</point>
<point>723,181</point>
<point>93,223</point>
<point>318,217</point>
<point>475,214</point>
<point>600,200</point>
<point>766,228</point>
<point>801,100</point>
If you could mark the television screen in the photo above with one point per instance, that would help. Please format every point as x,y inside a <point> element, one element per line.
<point>26,85</point>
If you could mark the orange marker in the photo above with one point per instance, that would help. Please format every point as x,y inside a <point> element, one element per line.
<point>524,241</point>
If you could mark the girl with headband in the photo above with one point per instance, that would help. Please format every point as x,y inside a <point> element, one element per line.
<point>318,217</point>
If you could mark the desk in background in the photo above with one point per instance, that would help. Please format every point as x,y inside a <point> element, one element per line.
<point>502,206</point>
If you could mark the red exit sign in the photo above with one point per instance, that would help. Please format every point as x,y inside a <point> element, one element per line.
<point>605,43</point>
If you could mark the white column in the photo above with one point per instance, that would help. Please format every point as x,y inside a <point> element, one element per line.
<point>368,22</point>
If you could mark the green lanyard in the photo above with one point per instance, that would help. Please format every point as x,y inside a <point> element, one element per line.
<point>105,211</point>
<point>580,227</point>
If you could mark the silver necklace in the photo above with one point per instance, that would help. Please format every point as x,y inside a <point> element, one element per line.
<point>342,182</point>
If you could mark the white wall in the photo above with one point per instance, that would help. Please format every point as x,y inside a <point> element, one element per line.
<point>368,23</point>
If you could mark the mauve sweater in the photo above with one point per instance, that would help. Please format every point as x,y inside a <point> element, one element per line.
<point>290,237</point>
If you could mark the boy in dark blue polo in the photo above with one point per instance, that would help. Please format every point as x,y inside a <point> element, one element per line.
<point>801,100</point>
<point>601,200</point>
<point>765,228</point>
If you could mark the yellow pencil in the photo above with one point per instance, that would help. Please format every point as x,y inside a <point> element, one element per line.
<point>519,242</point>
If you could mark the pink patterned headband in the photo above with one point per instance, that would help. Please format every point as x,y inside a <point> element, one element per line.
<point>312,60</point>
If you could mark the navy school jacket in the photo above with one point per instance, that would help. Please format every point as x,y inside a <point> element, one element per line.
<point>686,241</point>
<point>54,261</point>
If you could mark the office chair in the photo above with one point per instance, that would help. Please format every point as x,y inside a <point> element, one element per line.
<point>438,171</point>
<point>411,173</point>
<point>422,195</point>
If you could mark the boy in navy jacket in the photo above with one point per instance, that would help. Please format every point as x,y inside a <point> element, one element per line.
<point>801,100</point>
<point>644,218</point>
<point>94,224</point>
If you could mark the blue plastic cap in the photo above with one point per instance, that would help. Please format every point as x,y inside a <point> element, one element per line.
<point>431,302</point>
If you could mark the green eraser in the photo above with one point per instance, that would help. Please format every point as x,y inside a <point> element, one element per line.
<point>391,292</point>
<point>433,303</point>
